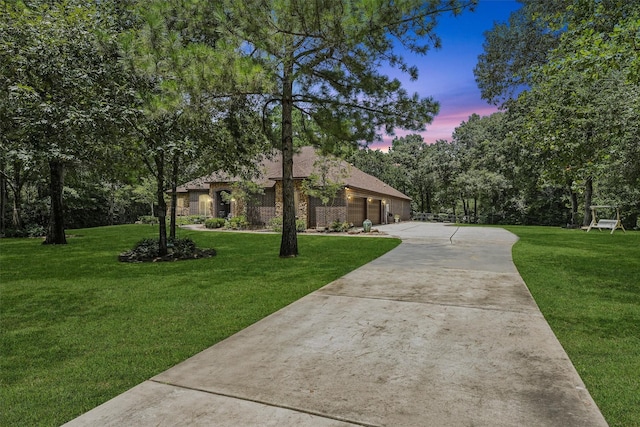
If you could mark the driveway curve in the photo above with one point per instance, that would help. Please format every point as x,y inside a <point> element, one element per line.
<point>440,331</point>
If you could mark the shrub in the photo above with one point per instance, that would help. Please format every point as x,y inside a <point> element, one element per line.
<point>148,250</point>
<point>339,226</point>
<point>276,223</point>
<point>237,223</point>
<point>182,248</point>
<point>196,219</point>
<point>35,230</point>
<point>13,232</point>
<point>214,223</point>
<point>189,219</point>
<point>145,249</point>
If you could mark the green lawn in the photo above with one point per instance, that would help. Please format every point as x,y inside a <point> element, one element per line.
<point>78,327</point>
<point>588,288</point>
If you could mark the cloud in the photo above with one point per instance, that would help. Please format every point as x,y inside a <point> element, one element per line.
<point>450,117</point>
<point>447,74</point>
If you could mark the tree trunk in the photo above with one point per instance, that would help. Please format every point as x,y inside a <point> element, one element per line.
<point>174,196</point>
<point>16,186</point>
<point>428,201</point>
<point>16,215</point>
<point>3,197</point>
<point>475,208</point>
<point>631,220</point>
<point>574,207</point>
<point>55,233</point>
<point>289,242</point>
<point>173,213</point>
<point>112,202</point>
<point>162,206</point>
<point>588,193</point>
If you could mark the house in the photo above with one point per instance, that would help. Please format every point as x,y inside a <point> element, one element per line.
<point>359,195</point>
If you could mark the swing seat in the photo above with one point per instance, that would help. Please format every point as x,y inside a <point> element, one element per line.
<point>608,224</point>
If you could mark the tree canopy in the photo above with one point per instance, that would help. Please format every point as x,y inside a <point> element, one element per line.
<point>575,107</point>
<point>113,94</point>
<point>325,59</point>
<point>61,88</point>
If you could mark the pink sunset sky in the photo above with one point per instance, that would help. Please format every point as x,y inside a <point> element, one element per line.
<point>447,74</point>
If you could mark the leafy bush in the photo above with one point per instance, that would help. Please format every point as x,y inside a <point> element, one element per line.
<point>13,232</point>
<point>214,223</point>
<point>32,230</point>
<point>276,223</point>
<point>35,230</point>
<point>237,223</point>
<point>148,250</point>
<point>196,219</point>
<point>189,219</point>
<point>339,226</point>
<point>145,249</point>
<point>182,248</point>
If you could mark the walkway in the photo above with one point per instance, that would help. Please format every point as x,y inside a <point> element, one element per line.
<point>441,331</point>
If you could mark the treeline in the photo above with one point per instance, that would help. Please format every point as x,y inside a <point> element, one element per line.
<point>104,106</point>
<point>486,174</point>
<point>161,88</point>
<point>91,200</point>
<point>566,74</point>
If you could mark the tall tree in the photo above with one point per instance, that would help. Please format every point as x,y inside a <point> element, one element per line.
<point>583,101</point>
<point>59,71</point>
<point>512,48</point>
<point>326,58</point>
<point>188,83</point>
<point>410,154</point>
<point>446,161</point>
<point>380,165</point>
<point>577,62</point>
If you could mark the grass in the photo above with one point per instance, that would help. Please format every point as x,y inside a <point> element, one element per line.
<point>78,327</point>
<point>587,285</point>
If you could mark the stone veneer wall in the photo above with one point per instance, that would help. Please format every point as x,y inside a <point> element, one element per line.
<point>184,210</point>
<point>303,201</point>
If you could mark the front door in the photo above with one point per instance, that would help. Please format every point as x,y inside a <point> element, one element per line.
<point>223,209</point>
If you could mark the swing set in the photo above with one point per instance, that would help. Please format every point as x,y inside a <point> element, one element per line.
<point>609,224</point>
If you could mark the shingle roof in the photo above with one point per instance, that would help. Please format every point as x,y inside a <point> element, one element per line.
<point>201,183</point>
<point>304,165</point>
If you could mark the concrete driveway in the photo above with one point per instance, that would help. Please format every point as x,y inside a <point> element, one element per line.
<point>441,331</point>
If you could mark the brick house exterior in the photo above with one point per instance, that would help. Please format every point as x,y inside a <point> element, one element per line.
<point>360,197</point>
